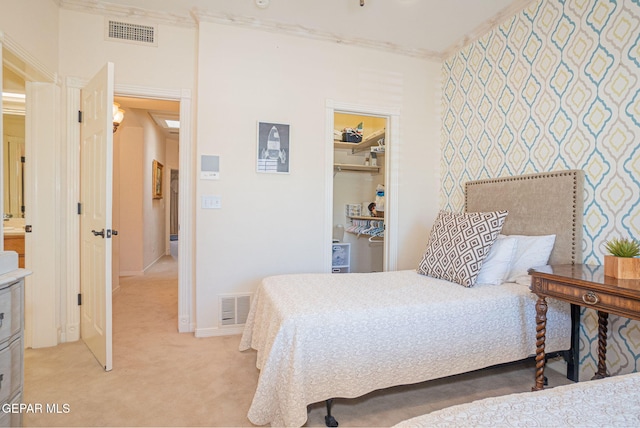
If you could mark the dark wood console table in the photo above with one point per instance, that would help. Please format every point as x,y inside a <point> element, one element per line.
<point>584,285</point>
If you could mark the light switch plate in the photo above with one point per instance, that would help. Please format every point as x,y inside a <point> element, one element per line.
<point>211,202</point>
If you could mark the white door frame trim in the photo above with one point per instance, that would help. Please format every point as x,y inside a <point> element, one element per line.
<point>186,318</point>
<point>391,177</point>
<point>43,326</point>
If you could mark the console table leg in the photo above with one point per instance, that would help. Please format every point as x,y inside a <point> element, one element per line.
<point>603,319</point>
<point>541,331</point>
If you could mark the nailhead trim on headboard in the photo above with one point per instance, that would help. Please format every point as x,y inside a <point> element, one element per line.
<point>574,174</point>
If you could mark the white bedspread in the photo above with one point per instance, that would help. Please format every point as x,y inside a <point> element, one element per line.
<point>321,336</point>
<point>610,402</point>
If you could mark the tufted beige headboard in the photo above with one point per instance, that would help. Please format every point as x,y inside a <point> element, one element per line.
<point>538,204</point>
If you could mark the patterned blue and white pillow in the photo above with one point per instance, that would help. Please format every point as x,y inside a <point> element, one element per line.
<point>459,243</point>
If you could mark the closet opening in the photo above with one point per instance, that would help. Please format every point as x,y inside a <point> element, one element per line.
<point>360,192</point>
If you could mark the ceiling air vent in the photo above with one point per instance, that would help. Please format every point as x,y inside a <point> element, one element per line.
<point>131,33</point>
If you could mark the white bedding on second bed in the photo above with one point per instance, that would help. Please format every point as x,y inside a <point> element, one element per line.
<point>321,336</point>
<point>610,402</point>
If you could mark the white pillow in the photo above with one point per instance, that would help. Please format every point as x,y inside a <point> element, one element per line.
<point>458,244</point>
<point>531,251</point>
<point>497,265</point>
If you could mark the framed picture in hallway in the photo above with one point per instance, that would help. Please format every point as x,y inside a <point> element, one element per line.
<point>273,148</point>
<point>157,180</point>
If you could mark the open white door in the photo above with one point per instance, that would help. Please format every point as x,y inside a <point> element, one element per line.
<point>96,174</point>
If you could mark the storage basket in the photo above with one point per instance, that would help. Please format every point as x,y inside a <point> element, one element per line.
<point>352,210</point>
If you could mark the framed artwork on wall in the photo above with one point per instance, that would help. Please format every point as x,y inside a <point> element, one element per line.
<point>273,148</point>
<point>157,180</point>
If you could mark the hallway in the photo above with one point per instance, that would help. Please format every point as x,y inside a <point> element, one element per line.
<point>160,377</point>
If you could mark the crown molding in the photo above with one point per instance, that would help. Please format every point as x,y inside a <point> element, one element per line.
<point>196,16</point>
<point>109,9</point>
<point>486,27</point>
<point>310,33</point>
<point>21,62</point>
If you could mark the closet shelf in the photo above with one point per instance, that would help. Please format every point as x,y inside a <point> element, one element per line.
<point>371,140</point>
<point>364,217</point>
<point>353,167</point>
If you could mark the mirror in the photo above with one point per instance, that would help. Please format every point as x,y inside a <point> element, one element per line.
<point>13,139</point>
<point>13,153</point>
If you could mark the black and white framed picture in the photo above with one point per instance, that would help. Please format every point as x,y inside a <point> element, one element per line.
<point>273,148</point>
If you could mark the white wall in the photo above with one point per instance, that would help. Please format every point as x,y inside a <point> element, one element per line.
<point>131,216</point>
<point>115,213</point>
<point>142,232</point>
<point>170,65</point>
<point>268,224</point>
<point>29,33</point>
<point>154,210</point>
<point>273,224</point>
<point>34,26</point>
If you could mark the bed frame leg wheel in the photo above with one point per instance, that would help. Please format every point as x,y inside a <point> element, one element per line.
<point>329,420</point>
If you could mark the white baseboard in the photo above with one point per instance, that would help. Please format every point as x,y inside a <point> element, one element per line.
<point>215,331</point>
<point>184,326</point>
<point>71,333</point>
<point>131,272</point>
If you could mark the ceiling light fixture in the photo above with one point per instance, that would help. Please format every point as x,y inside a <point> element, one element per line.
<point>262,4</point>
<point>361,2</point>
<point>173,124</point>
<point>118,115</point>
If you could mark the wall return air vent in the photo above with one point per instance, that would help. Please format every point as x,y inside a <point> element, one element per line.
<point>234,309</point>
<point>131,33</point>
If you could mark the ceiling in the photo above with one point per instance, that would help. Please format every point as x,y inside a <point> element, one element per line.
<point>159,110</point>
<point>424,28</point>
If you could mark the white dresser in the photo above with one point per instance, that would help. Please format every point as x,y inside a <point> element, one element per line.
<point>11,346</point>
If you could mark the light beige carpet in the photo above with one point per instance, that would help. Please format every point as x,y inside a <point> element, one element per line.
<point>164,378</point>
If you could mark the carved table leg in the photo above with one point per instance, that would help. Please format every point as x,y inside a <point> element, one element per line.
<point>541,330</point>
<point>603,318</point>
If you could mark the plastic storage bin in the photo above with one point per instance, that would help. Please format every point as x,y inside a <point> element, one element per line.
<point>340,257</point>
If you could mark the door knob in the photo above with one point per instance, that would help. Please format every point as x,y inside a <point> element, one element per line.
<point>101,233</point>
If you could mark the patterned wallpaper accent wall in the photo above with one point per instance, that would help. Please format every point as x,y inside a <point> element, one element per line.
<point>556,87</point>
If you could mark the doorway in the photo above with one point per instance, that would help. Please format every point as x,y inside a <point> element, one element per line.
<point>152,181</point>
<point>358,193</point>
<point>185,256</point>
<point>30,102</point>
<point>13,155</point>
<point>383,125</point>
<point>146,147</point>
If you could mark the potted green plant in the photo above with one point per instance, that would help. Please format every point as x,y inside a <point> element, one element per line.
<point>622,262</point>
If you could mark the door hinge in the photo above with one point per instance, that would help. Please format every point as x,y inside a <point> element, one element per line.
<point>79,208</point>
<point>79,299</point>
<point>22,159</point>
<point>28,228</point>
<point>79,116</point>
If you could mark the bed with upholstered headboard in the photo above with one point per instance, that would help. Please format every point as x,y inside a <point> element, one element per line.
<point>538,204</point>
<point>466,306</point>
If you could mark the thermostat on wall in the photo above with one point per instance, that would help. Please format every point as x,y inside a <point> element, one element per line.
<point>210,167</point>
